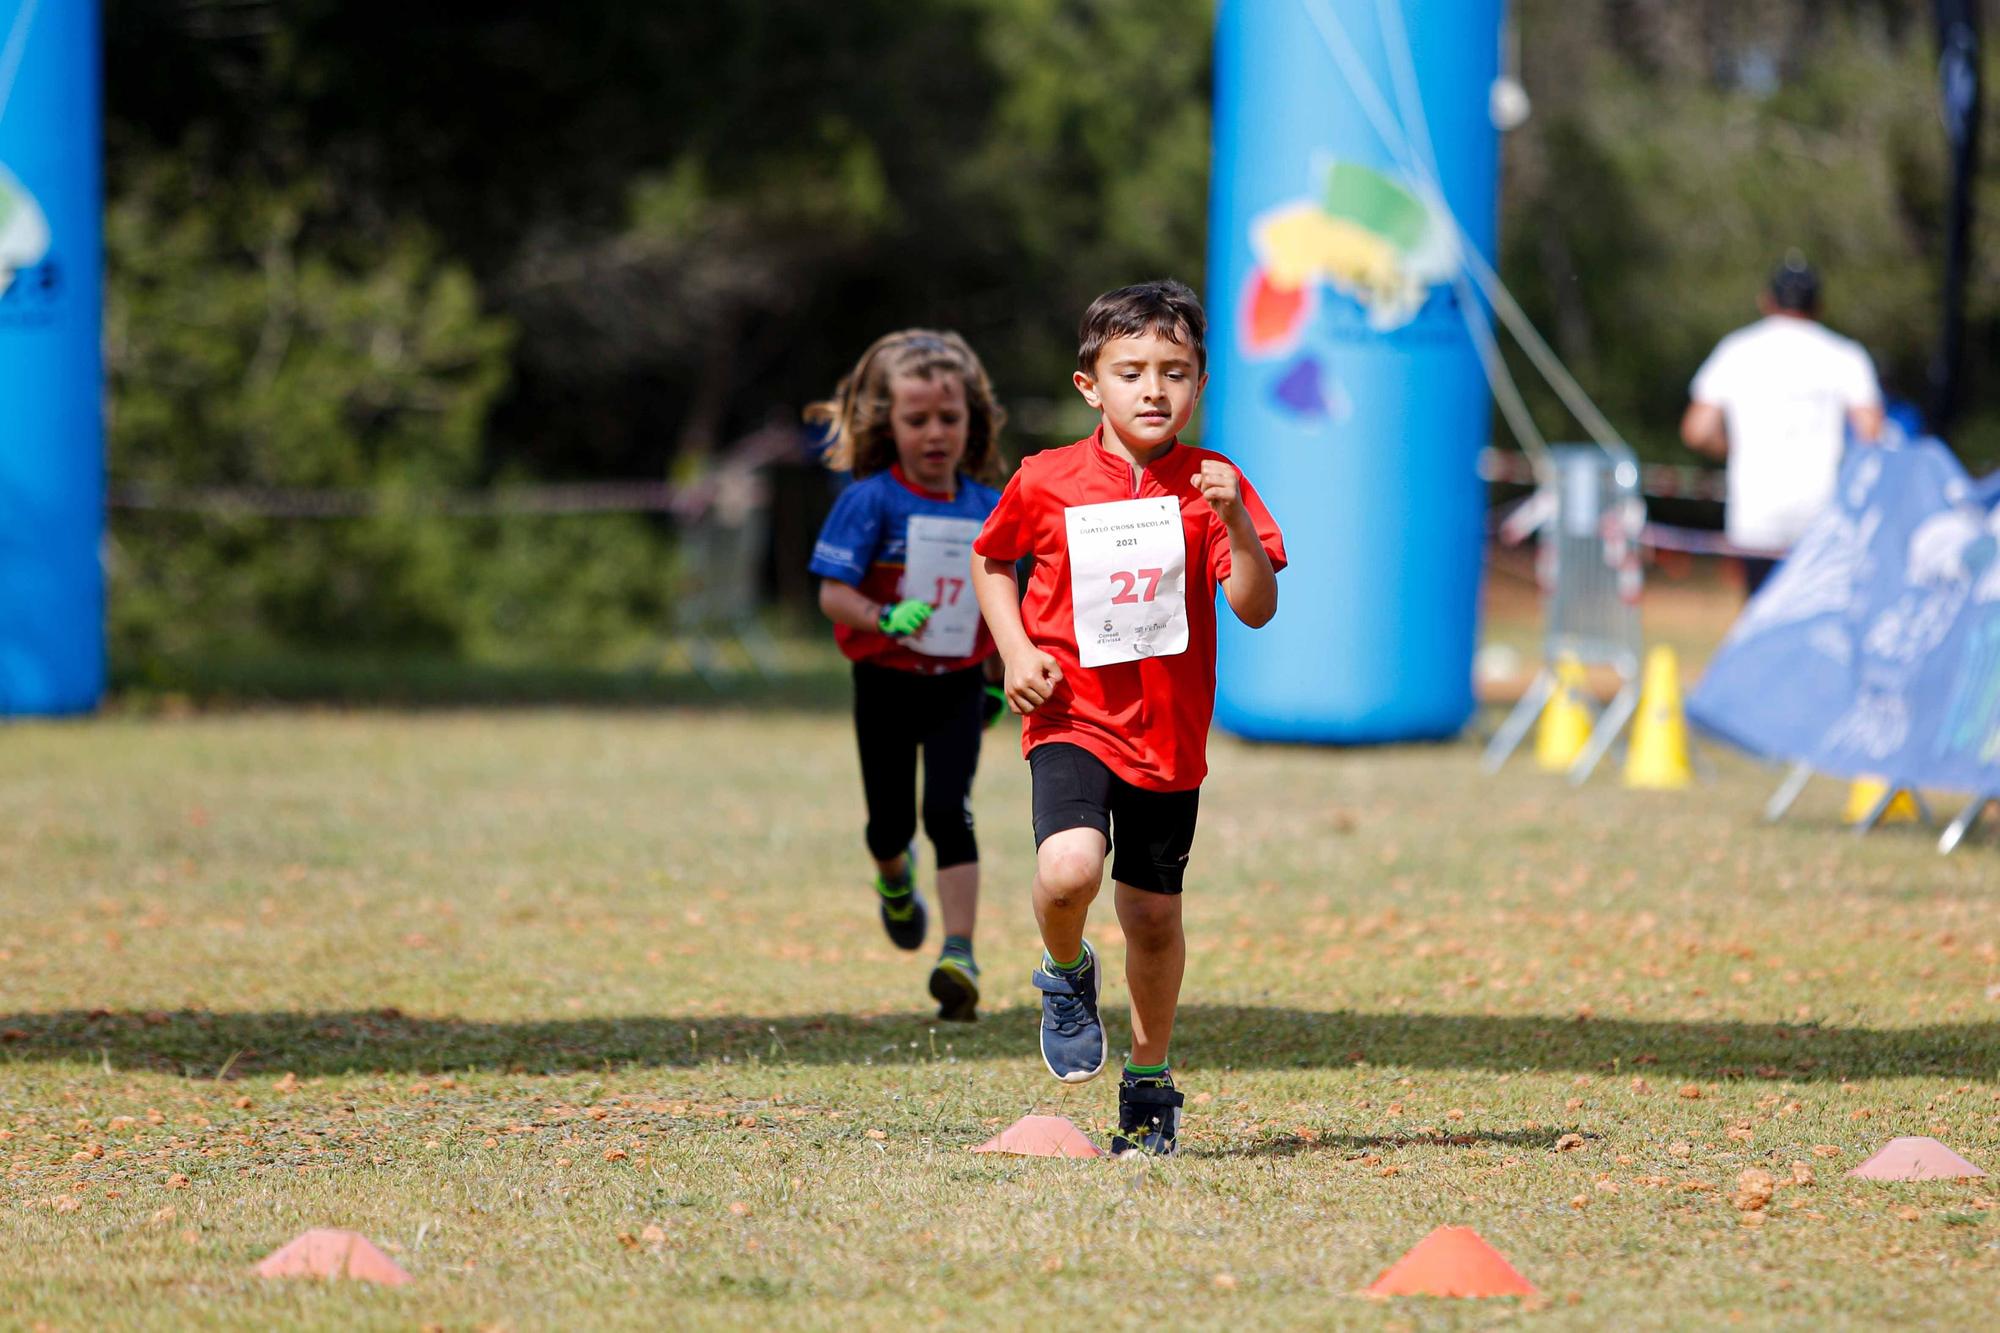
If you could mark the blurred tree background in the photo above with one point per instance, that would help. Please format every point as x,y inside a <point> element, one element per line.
<point>417,247</point>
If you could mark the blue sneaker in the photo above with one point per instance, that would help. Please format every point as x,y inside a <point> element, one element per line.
<point>1149,1116</point>
<point>1073,1044</point>
<point>903,914</point>
<point>955,986</point>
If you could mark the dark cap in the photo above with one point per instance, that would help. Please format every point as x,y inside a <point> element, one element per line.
<point>1794,285</point>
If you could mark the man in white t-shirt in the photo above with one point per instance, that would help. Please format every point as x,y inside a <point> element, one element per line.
<point>1776,399</point>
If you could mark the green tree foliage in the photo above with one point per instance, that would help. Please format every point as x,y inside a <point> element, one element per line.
<point>1096,168</point>
<point>1677,151</point>
<point>245,349</point>
<point>409,247</point>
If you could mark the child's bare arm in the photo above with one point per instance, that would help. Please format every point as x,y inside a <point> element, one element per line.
<point>1029,675</point>
<point>1252,585</point>
<point>845,604</point>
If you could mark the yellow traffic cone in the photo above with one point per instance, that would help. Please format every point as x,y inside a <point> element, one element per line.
<point>1863,793</point>
<point>1658,759</point>
<point>1565,726</point>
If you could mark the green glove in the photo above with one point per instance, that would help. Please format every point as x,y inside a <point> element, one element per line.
<point>994,705</point>
<point>904,618</point>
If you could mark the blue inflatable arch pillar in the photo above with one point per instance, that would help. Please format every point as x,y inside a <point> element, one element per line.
<point>1345,382</point>
<point>51,373</point>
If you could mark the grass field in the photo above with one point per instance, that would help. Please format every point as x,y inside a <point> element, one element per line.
<point>584,1014</point>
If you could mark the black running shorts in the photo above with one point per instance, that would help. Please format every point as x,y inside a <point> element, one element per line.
<point>1075,789</point>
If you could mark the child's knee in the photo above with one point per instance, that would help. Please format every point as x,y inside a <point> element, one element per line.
<point>888,838</point>
<point>1149,920</point>
<point>949,827</point>
<point>1070,874</point>
<point>952,845</point>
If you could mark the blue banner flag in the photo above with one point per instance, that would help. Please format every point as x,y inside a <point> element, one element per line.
<point>1875,648</point>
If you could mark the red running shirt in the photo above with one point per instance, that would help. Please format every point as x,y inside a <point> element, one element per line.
<point>1147,719</point>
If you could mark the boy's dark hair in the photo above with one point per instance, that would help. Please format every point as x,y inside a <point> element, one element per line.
<point>1168,308</point>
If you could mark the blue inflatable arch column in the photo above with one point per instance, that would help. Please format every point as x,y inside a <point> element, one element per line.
<point>51,373</point>
<point>1344,379</point>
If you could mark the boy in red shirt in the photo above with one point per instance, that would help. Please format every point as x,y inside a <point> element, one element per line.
<point>1110,656</point>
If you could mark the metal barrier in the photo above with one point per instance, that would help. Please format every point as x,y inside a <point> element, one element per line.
<point>720,558</point>
<point>1589,568</point>
<point>723,536</point>
<point>1800,774</point>
<point>1967,817</point>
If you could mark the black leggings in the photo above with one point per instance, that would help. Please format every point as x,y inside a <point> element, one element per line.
<point>894,713</point>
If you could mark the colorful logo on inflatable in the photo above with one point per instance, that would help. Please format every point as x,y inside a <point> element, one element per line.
<point>1367,239</point>
<point>24,232</point>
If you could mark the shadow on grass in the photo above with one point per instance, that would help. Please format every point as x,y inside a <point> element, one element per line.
<point>199,1043</point>
<point>351,679</point>
<point>1293,1145</point>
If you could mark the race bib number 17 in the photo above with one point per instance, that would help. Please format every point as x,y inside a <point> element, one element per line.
<point>938,570</point>
<point>1128,579</point>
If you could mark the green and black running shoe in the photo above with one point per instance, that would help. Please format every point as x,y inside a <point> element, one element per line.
<point>903,914</point>
<point>955,986</point>
<point>1149,1115</point>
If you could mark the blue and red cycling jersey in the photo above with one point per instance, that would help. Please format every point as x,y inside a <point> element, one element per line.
<point>864,543</point>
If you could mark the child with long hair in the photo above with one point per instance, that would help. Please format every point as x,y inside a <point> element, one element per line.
<point>917,424</point>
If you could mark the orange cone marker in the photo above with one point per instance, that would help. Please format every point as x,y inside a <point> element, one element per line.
<point>1041,1136</point>
<point>1451,1261</point>
<point>327,1252</point>
<point>1915,1158</point>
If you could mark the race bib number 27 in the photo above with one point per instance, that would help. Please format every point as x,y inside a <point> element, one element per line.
<point>1128,579</point>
